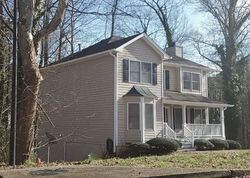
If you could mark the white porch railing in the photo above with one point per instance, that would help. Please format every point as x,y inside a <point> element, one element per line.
<point>189,134</point>
<point>209,130</point>
<point>168,131</point>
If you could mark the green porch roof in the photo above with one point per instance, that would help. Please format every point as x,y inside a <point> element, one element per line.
<point>140,91</point>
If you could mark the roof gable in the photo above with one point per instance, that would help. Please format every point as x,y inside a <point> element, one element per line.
<point>115,43</point>
<point>149,41</point>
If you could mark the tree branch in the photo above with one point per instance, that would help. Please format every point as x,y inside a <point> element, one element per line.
<point>54,23</point>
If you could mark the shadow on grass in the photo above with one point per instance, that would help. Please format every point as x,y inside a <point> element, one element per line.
<point>48,172</point>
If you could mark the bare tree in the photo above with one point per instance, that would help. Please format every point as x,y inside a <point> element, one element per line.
<point>28,87</point>
<point>113,16</point>
<point>169,15</point>
<point>224,48</point>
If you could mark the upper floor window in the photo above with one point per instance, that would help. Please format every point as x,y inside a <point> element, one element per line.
<point>146,72</point>
<point>135,71</point>
<point>191,81</point>
<point>140,72</point>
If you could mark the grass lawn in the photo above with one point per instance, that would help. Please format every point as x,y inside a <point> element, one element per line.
<point>229,159</point>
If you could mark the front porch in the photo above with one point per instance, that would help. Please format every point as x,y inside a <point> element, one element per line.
<point>191,120</point>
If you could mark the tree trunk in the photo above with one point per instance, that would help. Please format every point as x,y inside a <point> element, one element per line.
<point>28,92</point>
<point>29,75</point>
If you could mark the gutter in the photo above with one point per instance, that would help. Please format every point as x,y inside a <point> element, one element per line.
<point>81,59</point>
<point>191,66</point>
<point>196,103</point>
<point>115,56</point>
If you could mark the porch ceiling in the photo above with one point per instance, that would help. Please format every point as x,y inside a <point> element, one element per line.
<point>191,99</point>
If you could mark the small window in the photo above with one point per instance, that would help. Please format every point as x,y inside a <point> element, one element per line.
<point>134,71</point>
<point>146,72</point>
<point>167,81</point>
<point>133,115</point>
<point>149,116</point>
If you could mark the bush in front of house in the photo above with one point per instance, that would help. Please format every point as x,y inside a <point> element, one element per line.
<point>161,146</point>
<point>135,150</point>
<point>179,143</point>
<point>219,144</point>
<point>233,145</point>
<point>202,145</point>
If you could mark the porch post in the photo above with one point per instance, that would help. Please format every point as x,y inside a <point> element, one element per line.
<point>207,115</point>
<point>142,119</point>
<point>222,122</point>
<point>184,119</point>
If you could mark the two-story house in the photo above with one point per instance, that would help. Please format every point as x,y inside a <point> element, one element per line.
<point>124,90</point>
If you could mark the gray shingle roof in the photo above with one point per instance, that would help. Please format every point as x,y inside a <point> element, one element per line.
<point>177,96</point>
<point>181,60</point>
<point>103,45</point>
<point>140,91</point>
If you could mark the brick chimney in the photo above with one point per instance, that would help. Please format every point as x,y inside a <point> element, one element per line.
<point>175,51</point>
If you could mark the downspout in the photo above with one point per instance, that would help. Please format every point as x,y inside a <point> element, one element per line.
<point>162,104</point>
<point>115,57</point>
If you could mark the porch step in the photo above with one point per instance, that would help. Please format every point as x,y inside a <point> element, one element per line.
<point>185,143</point>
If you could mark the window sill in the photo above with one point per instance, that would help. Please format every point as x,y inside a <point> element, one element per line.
<point>191,91</point>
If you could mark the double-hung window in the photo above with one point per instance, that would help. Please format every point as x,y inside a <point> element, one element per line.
<point>141,72</point>
<point>191,81</point>
<point>135,75</point>
<point>146,72</point>
<point>149,116</point>
<point>133,116</point>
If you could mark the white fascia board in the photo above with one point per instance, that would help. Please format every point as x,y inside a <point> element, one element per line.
<point>149,41</point>
<point>190,103</point>
<point>80,59</point>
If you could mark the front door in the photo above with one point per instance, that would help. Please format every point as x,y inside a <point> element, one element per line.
<point>177,119</point>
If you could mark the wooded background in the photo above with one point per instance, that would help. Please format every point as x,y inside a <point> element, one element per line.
<point>49,30</point>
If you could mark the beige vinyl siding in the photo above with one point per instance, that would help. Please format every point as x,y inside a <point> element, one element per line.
<point>175,82</point>
<point>138,51</point>
<point>174,78</point>
<point>78,98</point>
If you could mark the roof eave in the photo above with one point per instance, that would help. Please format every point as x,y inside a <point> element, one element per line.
<point>193,66</point>
<point>80,59</point>
<point>194,103</point>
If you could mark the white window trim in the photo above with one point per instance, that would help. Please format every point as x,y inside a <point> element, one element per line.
<point>129,70</point>
<point>129,80</point>
<point>128,114</point>
<point>140,114</point>
<point>154,115</point>
<point>191,90</point>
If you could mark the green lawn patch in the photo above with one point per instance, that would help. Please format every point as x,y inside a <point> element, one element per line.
<point>228,159</point>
